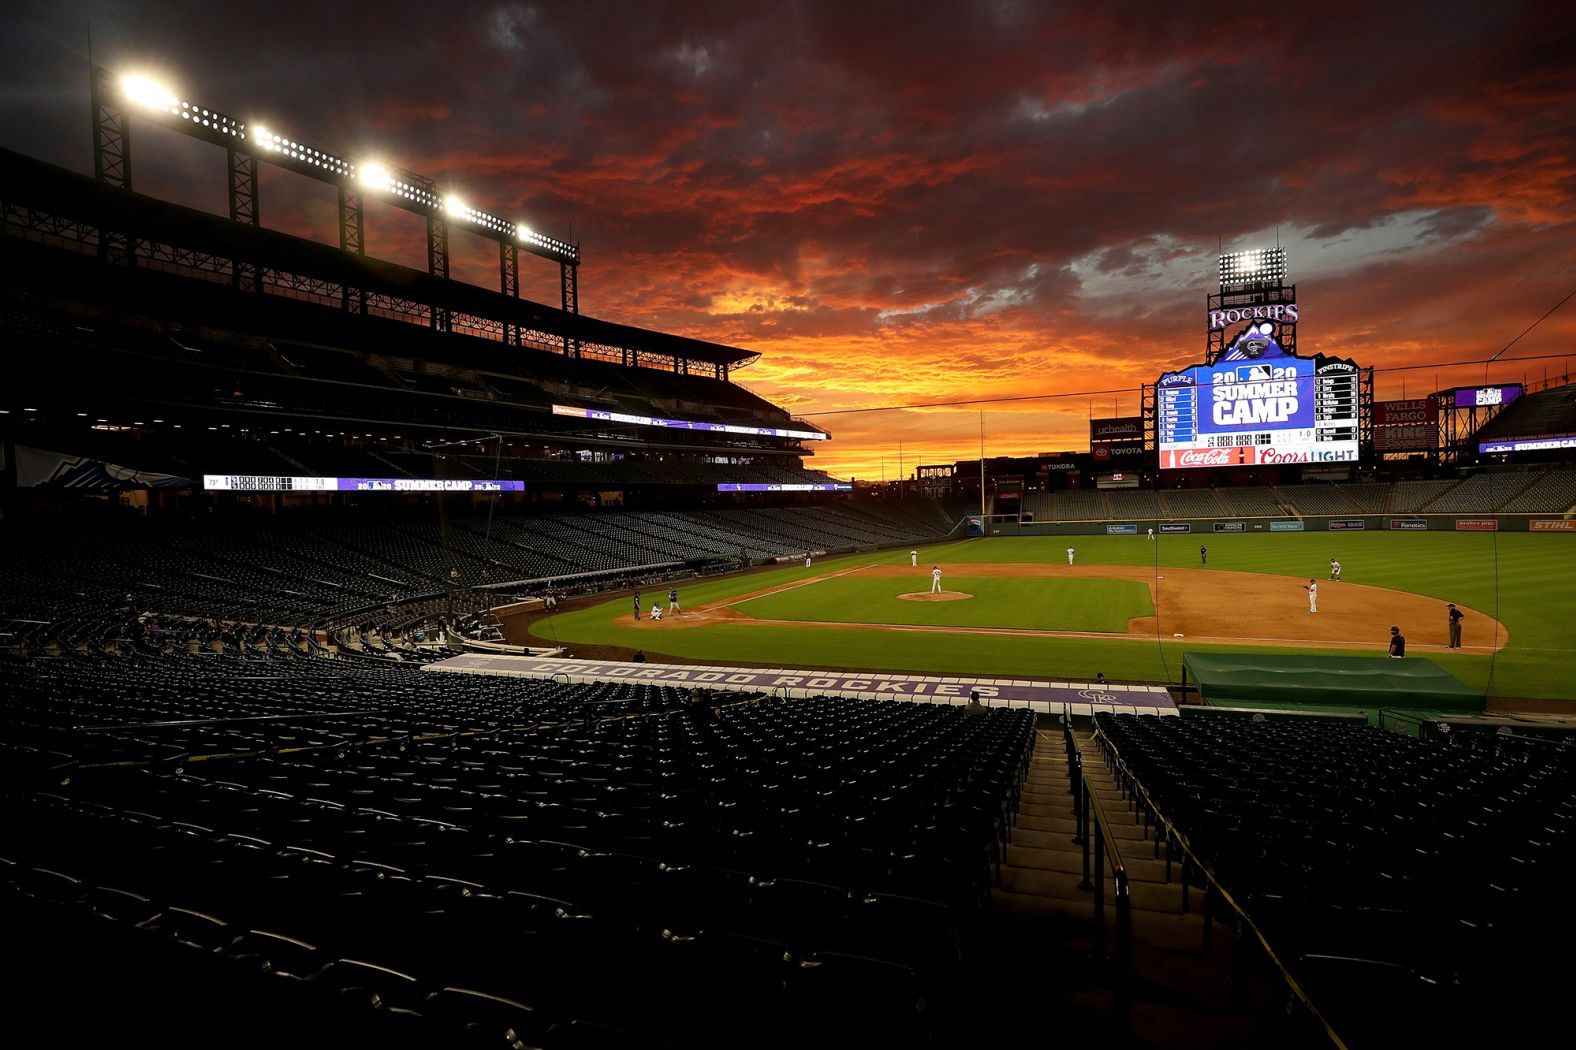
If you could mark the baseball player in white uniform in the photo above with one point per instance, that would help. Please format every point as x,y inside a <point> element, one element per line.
<point>1070,553</point>
<point>913,558</point>
<point>1335,569</point>
<point>935,580</point>
<point>656,611</point>
<point>1313,596</point>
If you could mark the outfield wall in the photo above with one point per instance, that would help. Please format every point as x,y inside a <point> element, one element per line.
<point>1552,524</point>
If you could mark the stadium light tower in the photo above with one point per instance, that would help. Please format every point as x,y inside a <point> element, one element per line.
<point>1253,269</point>
<point>1253,289</point>
<point>114,98</point>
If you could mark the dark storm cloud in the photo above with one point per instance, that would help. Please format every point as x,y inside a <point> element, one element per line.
<point>971,196</point>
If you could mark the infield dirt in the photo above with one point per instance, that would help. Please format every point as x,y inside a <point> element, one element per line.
<point>1198,604</point>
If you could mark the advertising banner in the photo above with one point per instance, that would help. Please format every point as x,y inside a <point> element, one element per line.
<point>1487,396</point>
<point>1477,525</point>
<point>1285,526</point>
<point>1418,438</point>
<point>1175,526</point>
<point>1406,413</point>
<point>1541,444</point>
<point>1121,530</point>
<point>1347,524</point>
<point>1552,525</point>
<point>1123,451</point>
<point>1231,526</point>
<point>1409,524</point>
<point>1117,428</point>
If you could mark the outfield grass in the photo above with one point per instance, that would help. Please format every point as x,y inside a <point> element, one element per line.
<point>1526,579</point>
<point>1032,604</point>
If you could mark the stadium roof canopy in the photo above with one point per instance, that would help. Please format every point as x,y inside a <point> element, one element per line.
<point>74,210</point>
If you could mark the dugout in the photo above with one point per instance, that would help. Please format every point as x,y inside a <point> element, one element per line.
<point>1291,681</point>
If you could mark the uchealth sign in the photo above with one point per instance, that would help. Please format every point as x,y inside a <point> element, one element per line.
<point>1117,428</point>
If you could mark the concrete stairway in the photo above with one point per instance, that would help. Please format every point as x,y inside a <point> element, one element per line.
<point>1040,946</point>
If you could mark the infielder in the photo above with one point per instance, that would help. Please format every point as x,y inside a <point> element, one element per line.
<point>1335,570</point>
<point>935,580</point>
<point>1070,553</point>
<point>1203,555</point>
<point>673,599</point>
<point>1313,596</point>
<point>913,558</point>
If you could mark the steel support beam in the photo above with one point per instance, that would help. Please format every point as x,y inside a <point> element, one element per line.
<point>569,283</point>
<point>509,284</point>
<point>438,263</point>
<point>242,171</point>
<point>353,239</point>
<point>111,161</point>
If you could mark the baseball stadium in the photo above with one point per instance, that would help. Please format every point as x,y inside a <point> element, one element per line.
<point>391,658</point>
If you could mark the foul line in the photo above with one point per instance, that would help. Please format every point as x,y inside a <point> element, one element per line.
<point>785,588</point>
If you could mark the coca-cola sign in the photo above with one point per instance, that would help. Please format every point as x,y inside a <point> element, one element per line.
<point>1178,459</point>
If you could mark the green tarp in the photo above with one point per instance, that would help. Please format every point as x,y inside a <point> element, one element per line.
<point>1243,679</point>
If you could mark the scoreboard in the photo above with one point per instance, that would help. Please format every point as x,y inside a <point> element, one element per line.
<point>1258,405</point>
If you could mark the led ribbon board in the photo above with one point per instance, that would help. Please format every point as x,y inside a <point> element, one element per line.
<point>1487,396</point>
<point>296,483</point>
<point>1258,405</point>
<point>838,486</point>
<point>686,424</point>
<point>1543,444</point>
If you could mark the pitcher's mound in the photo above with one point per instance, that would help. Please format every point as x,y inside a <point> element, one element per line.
<point>926,596</point>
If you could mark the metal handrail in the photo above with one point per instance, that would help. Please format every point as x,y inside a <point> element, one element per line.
<point>1105,849</point>
<point>1129,783</point>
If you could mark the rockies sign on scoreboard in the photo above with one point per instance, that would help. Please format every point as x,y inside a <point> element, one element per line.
<point>1258,404</point>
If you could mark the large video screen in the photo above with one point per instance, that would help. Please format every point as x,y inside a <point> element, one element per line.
<point>1258,405</point>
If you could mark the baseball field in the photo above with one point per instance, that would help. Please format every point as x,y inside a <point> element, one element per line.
<point>1128,607</point>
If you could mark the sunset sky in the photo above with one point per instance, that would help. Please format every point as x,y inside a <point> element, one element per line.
<point>910,202</point>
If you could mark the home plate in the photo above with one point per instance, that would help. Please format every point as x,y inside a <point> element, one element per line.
<point>1177,635</point>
